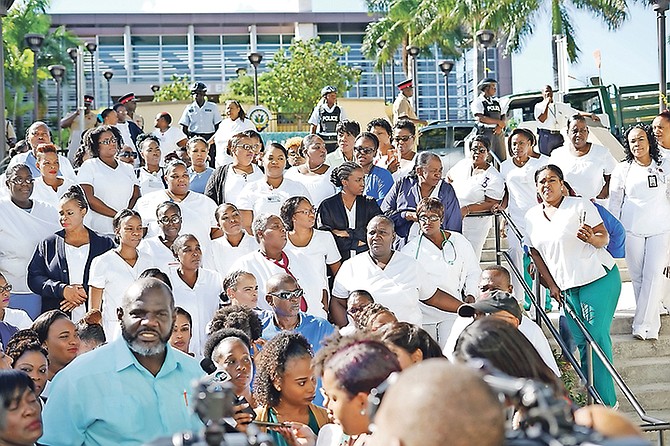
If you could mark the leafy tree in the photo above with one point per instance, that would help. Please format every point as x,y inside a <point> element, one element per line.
<point>240,89</point>
<point>296,76</point>
<point>177,90</point>
<point>29,16</point>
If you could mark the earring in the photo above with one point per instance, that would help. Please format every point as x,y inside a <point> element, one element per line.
<point>362,411</point>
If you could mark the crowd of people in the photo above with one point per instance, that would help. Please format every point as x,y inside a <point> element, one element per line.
<point>310,272</point>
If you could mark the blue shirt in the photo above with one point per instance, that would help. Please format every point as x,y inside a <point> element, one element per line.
<point>198,181</point>
<point>617,244</point>
<point>315,329</point>
<point>377,183</point>
<point>106,397</point>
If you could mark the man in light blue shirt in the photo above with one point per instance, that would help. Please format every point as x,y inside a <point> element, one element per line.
<point>130,391</point>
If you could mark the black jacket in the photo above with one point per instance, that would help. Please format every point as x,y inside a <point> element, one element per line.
<point>332,215</point>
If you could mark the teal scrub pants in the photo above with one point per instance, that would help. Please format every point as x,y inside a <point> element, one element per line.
<point>595,303</point>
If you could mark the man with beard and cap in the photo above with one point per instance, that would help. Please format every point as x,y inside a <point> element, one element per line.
<point>132,390</point>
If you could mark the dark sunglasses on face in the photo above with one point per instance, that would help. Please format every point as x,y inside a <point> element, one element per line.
<point>364,150</point>
<point>288,295</point>
<point>128,155</point>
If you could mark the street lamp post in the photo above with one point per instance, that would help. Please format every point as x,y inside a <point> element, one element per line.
<point>72,52</point>
<point>91,47</point>
<point>660,6</point>
<point>4,6</point>
<point>414,52</point>
<point>485,39</point>
<point>58,72</point>
<point>255,59</point>
<point>34,42</point>
<point>381,44</point>
<point>155,89</point>
<point>446,66</point>
<point>108,74</point>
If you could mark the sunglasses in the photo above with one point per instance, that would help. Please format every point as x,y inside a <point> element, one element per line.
<point>22,181</point>
<point>6,288</point>
<point>288,295</point>
<point>127,155</point>
<point>427,218</point>
<point>364,150</point>
<point>109,141</point>
<point>402,138</point>
<point>174,220</point>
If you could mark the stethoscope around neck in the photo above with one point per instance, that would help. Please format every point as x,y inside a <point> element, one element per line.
<point>445,241</point>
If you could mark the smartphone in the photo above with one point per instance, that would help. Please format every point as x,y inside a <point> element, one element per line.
<point>269,424</point>
<point>248,409</point>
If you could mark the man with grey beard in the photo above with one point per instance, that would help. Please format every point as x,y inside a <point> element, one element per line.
<point>132,390</point>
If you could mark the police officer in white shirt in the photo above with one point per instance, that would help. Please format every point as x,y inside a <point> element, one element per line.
<point>201,117</point>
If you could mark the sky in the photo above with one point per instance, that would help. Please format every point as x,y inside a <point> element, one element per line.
<point>629,54</point>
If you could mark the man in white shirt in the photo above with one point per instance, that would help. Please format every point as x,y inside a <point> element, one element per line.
<point>171,138</point>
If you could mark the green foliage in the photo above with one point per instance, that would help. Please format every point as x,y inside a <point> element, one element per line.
<point>576,391</point>
<point>29,16</point>
<point>240,89</point>
<point>177,90</point>
<point>295,77</point>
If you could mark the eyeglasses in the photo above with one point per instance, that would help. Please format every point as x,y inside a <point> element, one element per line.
<point>288,295</point>
<point>249,147</point>
<point>429,218</point>
<point>6,288</point>
<point>311,211</point>
<point>22,181</point>
<point>108,141</point>
<point>127,155</point>
<point>479,150</point>
<point>402,138</point>
<point>167,220</point>
<point>365,150</point>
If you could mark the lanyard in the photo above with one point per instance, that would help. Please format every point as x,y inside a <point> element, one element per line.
<point>283,264</point>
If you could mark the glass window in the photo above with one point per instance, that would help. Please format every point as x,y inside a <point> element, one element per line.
<point>110,40</point>
<point>207,40</point>
<point>236,40</point>
<point>145,40</point>
<point>268,39</point>
<point>174,40</point>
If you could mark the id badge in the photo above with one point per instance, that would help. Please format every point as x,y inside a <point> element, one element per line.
<point>652,181</point>
<point>274,199</point>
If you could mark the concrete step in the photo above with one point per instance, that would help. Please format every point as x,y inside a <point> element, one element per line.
<point>654,396</point>
<point>623,321</point>
<point>641,371</point>
<point>624,346</point>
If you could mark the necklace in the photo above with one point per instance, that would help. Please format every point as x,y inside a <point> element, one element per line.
<point>316,168</point>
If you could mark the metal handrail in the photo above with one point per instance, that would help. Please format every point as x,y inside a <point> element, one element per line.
<point>655,424</point>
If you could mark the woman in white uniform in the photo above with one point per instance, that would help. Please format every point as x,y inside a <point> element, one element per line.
<point>449,261</point>
<point>235,243</point>
<point>586,166</point>
<point>520,193</point>
<point>49,187</point>
<point>197,210</point>
<point>195,289</point>
<point>639,198</point>
<point>235,122</point>
<point>23,224</point>
<point>479,187</point>
<point>109,185</point>
<point>315,173</point>
<point>114,271</point>
<point>159,248</point>
<point>266,196</point>
<point>150,176</point>
<point>567,239</point>
<point>313,248</point>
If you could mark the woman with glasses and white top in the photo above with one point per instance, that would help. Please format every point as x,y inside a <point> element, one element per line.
<point>159,247</point>
<point>479,187</point>
<point>109,185</point>
<point>227,181</point>
<point>447,258</point>
<point>315,173</point>
<point>314,248</point>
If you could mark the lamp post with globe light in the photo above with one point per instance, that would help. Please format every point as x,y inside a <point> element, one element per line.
<point>108,74</point>
<point>58,73</point>
<point>660,7</point>
<point>34,42</point>
<point>91,47</point>
<point>255,59</point>
<point>414,52</point>
<point>4,7</point>
<point>381,44</point>
<point>446,66</point>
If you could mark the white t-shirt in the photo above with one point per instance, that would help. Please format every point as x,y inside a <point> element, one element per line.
<point>114,275</point>
<point>125,134</point>
<point>224,254</point>
<point>646,205</point>
<point>319,252</point>
<point>454,269</point>
<point>404,168</point>
<point>197,212</point>
<point>43,192</point>
<point>471,188</point>
<point>263,269</point>
<point>226,130</point>
<point>520,182</point>
<point>584,173</point>
<point>201,302</point>
<point>570,261</point>
<point>261,198</point>
<point>150,182</point>
<point>17,318</point>
<point>168,140</point>
<point>20,233</point>
<point>557,115</point>
<point>399,287</point>
<point>200,119</point>
<point>76,257</point>
<point>235,182</point>
<point>65,167</point>
<point>319,187</point>
<point>113,186</point>
<point>160,255</point>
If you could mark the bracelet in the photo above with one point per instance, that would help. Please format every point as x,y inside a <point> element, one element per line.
<point>467,208</point>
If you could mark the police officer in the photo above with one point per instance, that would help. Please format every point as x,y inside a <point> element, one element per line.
<point>325,117</point>
<point>402,106</point>
<point>201,118</point>
<point>71,122</point>
<point>130,101</point>
<point>488,114</point>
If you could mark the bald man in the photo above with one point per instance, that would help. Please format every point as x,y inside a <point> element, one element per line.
<point>438,403</point>
<point>283,294</point>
